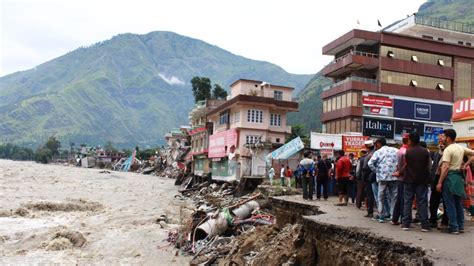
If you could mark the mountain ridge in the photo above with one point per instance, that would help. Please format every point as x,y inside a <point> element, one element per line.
<point>129,89</point>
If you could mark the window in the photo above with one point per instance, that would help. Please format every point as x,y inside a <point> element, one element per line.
<point>236,117</point>
<point>343,101</point>
<point>427,37</point>
<point>252,139</point>
<point>277,140</point>
<point>255,116</point>
<point>275,120</point>
<point>224,118</point>
<point>468,44</point>
<point>440,39</point>
<point>464,80</point>
<point>338,102</point>
<point>278,95</point>
<point>461,42</point>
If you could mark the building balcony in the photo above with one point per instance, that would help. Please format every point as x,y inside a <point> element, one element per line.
<point>350,83</point>
<point>350,62</point>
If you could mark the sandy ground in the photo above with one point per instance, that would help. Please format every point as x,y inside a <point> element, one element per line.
<point>442,248</point>
<point>70,215</point>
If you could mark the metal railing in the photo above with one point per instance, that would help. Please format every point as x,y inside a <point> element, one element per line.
<point>348,79</point>
<point>444,24</point>
<point>372,55</point>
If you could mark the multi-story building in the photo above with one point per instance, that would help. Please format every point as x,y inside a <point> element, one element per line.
<point>247,127</point>
<point>199,134</point>
<point>403,78</point>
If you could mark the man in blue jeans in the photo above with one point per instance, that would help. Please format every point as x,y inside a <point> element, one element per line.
<point>415,175</point>
<point>451,182</point>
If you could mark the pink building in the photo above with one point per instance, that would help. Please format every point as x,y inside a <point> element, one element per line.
<point>247,127</point>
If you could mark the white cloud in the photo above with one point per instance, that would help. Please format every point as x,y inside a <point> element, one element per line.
<point>172,80</point>
<point>288,33</point>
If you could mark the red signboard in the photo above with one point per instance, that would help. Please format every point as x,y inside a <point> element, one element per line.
<point>353,144</point>
<point>220,144</point>
<point>463,110</point>
<point>377,101</point>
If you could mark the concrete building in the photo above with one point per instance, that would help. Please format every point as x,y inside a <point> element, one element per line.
<point>247,127</point>
<point>403,78</point>
<point>199,134</point>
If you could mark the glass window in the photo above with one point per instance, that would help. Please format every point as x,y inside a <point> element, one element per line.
<point>325,106</point>
<point>333,104</point>
<point>416,56</point>
<point>421,81</point>
<point>275,120</point>
<point>224,118</point>
<point>348,125</point>
<point>278,95</point>
<point>464,79</point>
<point>338,102</point>
<point>349,99</point>
<point>338,127</point>
<point>343,101</point>
<point>237,117</point>
<point>255,116</point>
<point>343,126</point>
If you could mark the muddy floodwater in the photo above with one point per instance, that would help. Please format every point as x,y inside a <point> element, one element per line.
<point>68,215</point>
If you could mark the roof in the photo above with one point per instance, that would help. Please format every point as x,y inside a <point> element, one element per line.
<point>256,100</point>
<point>259,81</point>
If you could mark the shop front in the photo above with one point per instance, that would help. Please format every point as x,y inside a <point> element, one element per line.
<point>463,121</point>
<point>223,154</point>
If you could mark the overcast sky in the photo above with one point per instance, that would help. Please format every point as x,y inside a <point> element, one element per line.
<point>288,33</point>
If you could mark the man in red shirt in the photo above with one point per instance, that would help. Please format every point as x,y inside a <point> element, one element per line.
<point>343,170</point>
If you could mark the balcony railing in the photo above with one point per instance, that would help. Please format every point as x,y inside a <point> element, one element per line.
<point>444,24</point>
<point>348,79</point>
<point>359,53</point>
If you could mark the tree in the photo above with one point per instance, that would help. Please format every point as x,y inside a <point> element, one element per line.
<point>53,145</point>
<point>218,92</point>
<point>298,131</point>
<point>201,88</point>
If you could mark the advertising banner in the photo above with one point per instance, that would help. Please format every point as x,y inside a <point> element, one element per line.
<point>463,110</point>
<point>406,127</point>
<point>377,128</point>
<point>464,129</point>
<point>287,150</point>
<point>377,101</point>
<point>321,141</point>
<point>432,133</point>
<point>353,144</point>
<point>221,143</point>
<point>422,111</point>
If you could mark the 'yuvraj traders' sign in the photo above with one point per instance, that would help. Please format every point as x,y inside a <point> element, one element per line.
<point>353,144</point>
<point>377,128</point>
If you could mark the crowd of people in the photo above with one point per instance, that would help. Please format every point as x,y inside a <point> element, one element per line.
<point>391,182</point>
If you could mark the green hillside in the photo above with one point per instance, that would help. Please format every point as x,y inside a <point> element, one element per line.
<point>457,10</point>
<point>130,90</point>
<point>310,97</point>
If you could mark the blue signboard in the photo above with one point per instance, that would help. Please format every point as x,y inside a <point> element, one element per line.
<point>285,151</point>
<point>422,111</point>
<point>432,133</point>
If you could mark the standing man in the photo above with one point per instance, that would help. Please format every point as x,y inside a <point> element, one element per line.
<point>288,175</point>
<point>271,174</point>
<point>282,175</point>
<point>416,178</point>
<point>451,183</point>
<point>358,179</point>
<point>343,170</point>
<point>368,177</point>
<point>398,210</point>
<point>384,164</point>
<point>352,182</point>
<point>307,167</point>
<point>436,196</point>
<point>323,168</point>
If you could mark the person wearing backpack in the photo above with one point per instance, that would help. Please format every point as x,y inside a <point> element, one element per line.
<point>322,178</point>
<point>307,166</point>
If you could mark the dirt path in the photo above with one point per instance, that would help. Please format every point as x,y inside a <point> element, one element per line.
<point>67,215</point>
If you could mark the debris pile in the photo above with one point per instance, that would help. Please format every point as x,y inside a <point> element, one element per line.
<point>219,218</point>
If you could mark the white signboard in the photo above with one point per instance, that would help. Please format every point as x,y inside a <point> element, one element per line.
<point>464,129</point>
<point>321,141</point>
<point>285,151</point>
